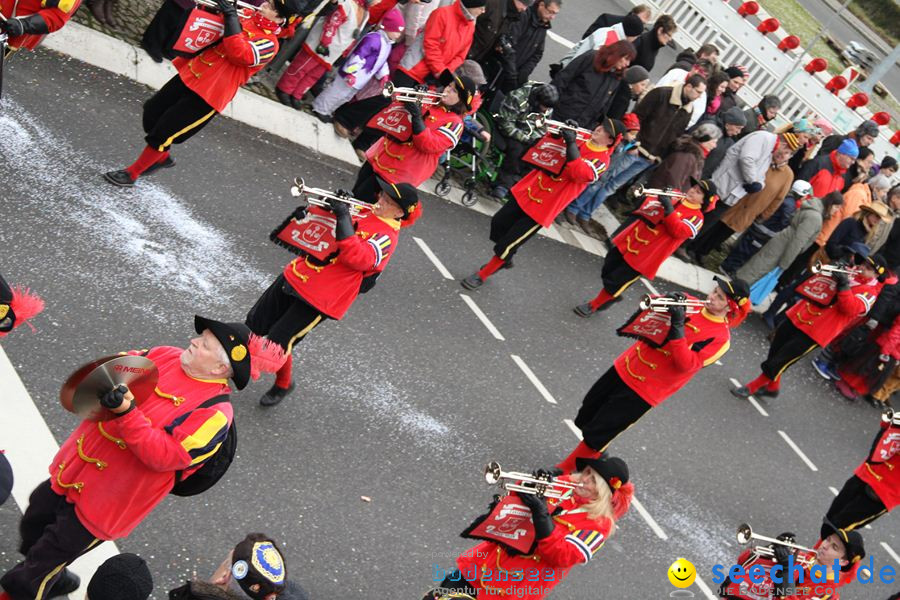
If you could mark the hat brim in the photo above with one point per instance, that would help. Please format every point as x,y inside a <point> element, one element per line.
<point>886,218</point>
<point>224,332</point>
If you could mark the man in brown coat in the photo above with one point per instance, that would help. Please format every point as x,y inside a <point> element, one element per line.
<point>763,203</point>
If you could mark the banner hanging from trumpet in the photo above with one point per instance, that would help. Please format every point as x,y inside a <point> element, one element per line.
<point>819,289</point>
<point>651,210</point>
<point>202,29</point>
<point>508,524</point>
<point>652,322</point>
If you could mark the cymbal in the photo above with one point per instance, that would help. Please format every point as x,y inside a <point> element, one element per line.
<point>81,392</point>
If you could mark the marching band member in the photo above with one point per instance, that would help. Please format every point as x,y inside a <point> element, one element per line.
<point>646,374</point>
<point>433,132</point>
<point>539,197</point>
<point>809,325</point>
<point>845,548</point>
<point>17,306</point>
<point>206,83</point>
<point>568,532</point>
<point>26,22</point>
<point>310,290</point>
<point>640,248</point>
<point>109,475</point>
<point>874,488</point>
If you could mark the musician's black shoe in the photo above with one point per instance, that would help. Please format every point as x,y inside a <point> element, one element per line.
<point>119,178</point>
<point>67,583</point>
<point>584,310</point>
<point>166,164</point>
<point>275,395</point>
<point>741,392</point>
<point>472,282</point>
<point>764,392</point>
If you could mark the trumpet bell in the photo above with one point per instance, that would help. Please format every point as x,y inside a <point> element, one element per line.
<point>492,473</point>
<point>744,533</point>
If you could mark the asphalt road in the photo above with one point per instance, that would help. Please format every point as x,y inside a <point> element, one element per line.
<point>406,399</point>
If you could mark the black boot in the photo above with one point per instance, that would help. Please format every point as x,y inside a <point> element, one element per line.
<point>275,395</point>
<point>119,178</point>
<point>67,583</point>
<point>166,164</point>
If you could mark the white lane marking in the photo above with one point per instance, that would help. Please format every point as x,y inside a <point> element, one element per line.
<point>718,363</point>
<point>650,521</point>
<point>797,449</point>
<point>650,286</point>
<point>634,501</point>
<point>433,258</point>
<point>482,317</point>
<point>833,490</point>
<point>560,40</point>
<point>574,428</point>
<point>890,551</point>
<point>705,588</point>
<point>30,447</point>
<point>533,379</point>
<point>752,400</point>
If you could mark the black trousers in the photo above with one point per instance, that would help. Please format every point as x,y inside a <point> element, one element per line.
<point>855,506</point>
<point>174,114</point>
<point>283,317</point>
<point>52,538</point>
<point>789,345</point>
<point>453,583</point>
<point>366,187</point>
<point>357,114</point>
<point>617,275</point>
<point>748,245</point>
<point>609,408</point>
<point>512,168</point>
<point>163,31</point>
<point>510,228</point>
<point>711,238</point>
<point>709,220</point>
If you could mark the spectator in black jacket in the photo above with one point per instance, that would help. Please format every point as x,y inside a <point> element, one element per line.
<point>520,48</point>
<point>864,135</point>
<point>642,11</point>
<point>496,19</point>
<point>731,122</point>
<point>587,84</point>
<point>760,115</point>
<point>737,78</point>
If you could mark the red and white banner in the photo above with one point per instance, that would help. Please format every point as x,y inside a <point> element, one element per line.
<point>312,234</point>
<point>819,289</point>
<point>888,445</point>
<point>202,29</point>
<point>548,153</point>
<point>508,524</point>
<point>394,121</point>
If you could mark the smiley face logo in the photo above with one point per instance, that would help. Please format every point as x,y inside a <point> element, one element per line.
<point>682,573</point>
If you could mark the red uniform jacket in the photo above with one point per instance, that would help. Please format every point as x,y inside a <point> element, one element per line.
<point>657,373</point>
<point>542,196</point>
<point>218,72</point>
<point>883,477</point>
<point>447,38</point>
<point>332,288</point>
<point>824,324</point>
<point>55,13</point>
<point>415,160</point>
<point>645,247</point>
<point>889,340</point>
<point>575,540</point>
<point>115,472</point>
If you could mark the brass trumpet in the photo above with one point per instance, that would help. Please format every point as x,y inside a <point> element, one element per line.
<point>890,416</point>
<point>641,191</point>
<point>524,483</point>
<point>745,534</point>
<point>557,127</point>
<point>663,304</point>
<point>320,197</point>
<point>829,269</point>
<point>244,9</point>
<point>408,94</point>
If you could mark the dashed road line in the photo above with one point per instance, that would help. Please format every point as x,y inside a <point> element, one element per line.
<point>797,449</point>
<point>433,258</point>
<point>482,317</point>
<point>705,588</point>
<point>574,428</point>
<point>533,379</point>
<point>890,551</point>
<point>560,40</point>
<point>752,400</point>
<point>650,286</point>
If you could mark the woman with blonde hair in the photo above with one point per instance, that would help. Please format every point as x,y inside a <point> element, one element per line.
<point>567,532</point>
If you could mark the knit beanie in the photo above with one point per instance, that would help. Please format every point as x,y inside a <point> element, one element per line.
<point>122,577</point>
<point>636,74</point>
<point>734,116</point>
<point>473,3</point>
<point>632,25</point>
<point>849,148</point>
<point>392,21</point>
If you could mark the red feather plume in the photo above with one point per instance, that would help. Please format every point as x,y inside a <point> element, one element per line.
<point>265,356</point>
<point>25,305</point>
<point>621,500</point>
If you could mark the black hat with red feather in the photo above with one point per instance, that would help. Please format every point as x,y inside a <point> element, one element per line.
<point>17,306</point>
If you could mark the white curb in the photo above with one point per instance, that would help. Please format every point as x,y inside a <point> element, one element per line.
<point>119,57</point>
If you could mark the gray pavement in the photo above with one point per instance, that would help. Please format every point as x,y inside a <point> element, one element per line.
<point>403,401</point>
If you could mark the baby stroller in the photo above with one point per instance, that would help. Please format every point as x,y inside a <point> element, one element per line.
<point>473,158</point>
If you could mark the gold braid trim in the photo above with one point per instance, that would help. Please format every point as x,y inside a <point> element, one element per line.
<point>632,373</point>
<point>303,278</point>
<point>77,485</point>
<point>94,461</point>
<point>643,360</point>
<point>176,400</point>
<point>117,441</point>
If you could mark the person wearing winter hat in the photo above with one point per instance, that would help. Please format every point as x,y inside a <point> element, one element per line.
<point>731,122</point>
<point>864,135</point>
<point>567,531</point>
<point>17,306</point>
<point>760,115</point>
<point>122,577</point>
<point>109,475</point>
<point>255,568</point>
<point>652,370</point>
<point>206,83</point>
<point>737,78</point>
<point>312,289</point>
<point>368,61</point>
